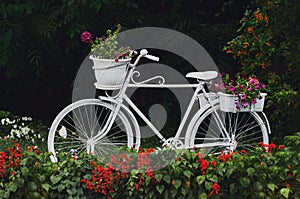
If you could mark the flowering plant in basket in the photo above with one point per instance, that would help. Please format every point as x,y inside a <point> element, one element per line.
<point>106,47</point>
<point>247,88</point>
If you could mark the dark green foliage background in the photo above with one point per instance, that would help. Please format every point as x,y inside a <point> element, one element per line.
<point>41,51</point>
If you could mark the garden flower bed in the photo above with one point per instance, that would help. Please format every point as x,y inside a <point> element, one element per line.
<point>29,173</point>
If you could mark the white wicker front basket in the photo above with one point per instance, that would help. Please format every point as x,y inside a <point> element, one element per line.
<point>110,75</point>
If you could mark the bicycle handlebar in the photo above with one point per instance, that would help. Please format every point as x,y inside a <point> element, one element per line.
<point>144,53</point>
<point>152,57</point>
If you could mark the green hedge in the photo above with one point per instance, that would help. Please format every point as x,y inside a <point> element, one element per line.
<point>274,174</point>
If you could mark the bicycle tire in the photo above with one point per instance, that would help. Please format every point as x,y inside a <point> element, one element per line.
<point>245,129</point>
<point>75,128</point>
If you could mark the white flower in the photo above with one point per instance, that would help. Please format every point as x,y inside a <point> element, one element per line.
<point>3,121</point>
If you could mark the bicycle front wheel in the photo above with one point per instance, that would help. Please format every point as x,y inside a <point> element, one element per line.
<point>244,131</point>
<point>91,126</point>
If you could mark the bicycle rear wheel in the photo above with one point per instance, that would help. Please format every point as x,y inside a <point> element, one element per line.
<point>88,126</point>
<point>245,131</point>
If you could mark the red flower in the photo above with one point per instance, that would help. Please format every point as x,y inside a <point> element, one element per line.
<point>272,146</point>
<point>203,164</point>
<point>86,37</point>
<point>214,189</point>
<point>280,147</point>
<point>287,185</point>
<point>224,157</point>
<point>244,151</point>
<point>214,163</point>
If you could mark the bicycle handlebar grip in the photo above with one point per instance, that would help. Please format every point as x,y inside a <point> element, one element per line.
<point>154,58</point>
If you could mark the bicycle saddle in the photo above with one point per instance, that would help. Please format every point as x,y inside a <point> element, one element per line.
<point>207,75</point>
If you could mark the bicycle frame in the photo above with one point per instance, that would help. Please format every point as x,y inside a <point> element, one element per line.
<point>122,96</point>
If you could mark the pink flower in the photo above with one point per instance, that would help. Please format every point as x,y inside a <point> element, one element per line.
<point>263,86</point>
<point>116,60</point>
<point>240,86</point>
<point>254,101</point>
<point>244,104</point>
<point>254,81</point>
<point>222,86</point>
<point>86,37</point>
<point>249,88</point>
<point>256,87</point>
<point>231,88</point>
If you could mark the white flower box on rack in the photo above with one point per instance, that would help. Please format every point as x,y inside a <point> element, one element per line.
<point>227,103</point>
<point>110,75</point>
<point>203,101</point>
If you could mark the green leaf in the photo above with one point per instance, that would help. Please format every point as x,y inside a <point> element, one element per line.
<point>213,178</point>
<point>229,172</point>
<point>250,171</point>
<point>148,180</point>
<point>19,182</point>
<point>203,196</point>
<point>55,179</point>
<point>285,192</point>
<point>245,182</point>
<point>61,187</point>
<point>272,186</point>
<point>173,192</point>
<point>188,174</point>
<point>258,186</point>
<point>200,179</point>
<point>13,188</point>
<point>41,178</point>
<point>177,184</point>
<point>46,186</point>
<point>208,185</point>
<point>32,186</point>
<point>167,179</point>
<point>183,191</point>
<point>158,177</point>
<point>160,188</point>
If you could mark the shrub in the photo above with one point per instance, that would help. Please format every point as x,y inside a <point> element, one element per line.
<point>269,174</point>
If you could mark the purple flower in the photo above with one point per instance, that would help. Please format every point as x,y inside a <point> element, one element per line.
<point>237,105</point>
<point>244,76</point>
<point>240,86</point>
<point>243,96</point>
<point>254,101</point>
<point>249,88</point>
<point>256,87</point>
<point>263,86</point>
<point>86,37</point>
<point>231,88</point>
<point>116,60</point>
<point>103,38</point>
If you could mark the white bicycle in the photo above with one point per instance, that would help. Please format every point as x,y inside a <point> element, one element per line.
<point>99,126</point>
